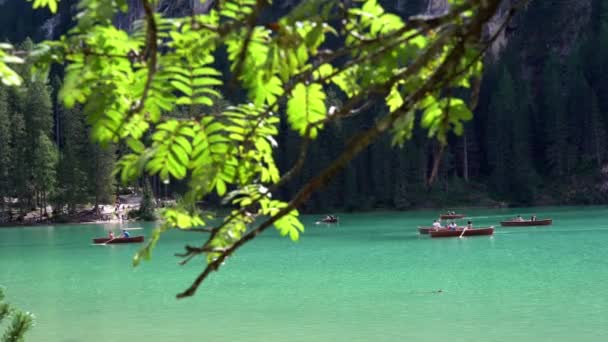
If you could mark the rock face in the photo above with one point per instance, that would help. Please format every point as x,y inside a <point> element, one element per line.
<point>570,22</point>
<point>168,8</point>
<point>437,7</point>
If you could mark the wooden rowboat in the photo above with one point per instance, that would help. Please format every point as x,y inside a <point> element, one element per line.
<point>451,216</point>
<point>458,232</point>
<point>328,220</point>
<point>426,230</point>
<point>526,223</point>
<point>132,239</point>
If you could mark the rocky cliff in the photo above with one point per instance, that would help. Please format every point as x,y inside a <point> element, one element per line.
<point>552,24</point>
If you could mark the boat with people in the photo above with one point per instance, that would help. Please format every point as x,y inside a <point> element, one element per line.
<point>437,226</point>
<point>451,215</point>
<point>461,232</point>
<point>518,222</point>
<point>109,240</point>
<point>328,219</point>
<point>426,230</point>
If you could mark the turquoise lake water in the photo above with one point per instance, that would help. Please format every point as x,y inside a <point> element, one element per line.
<point>370,278</point>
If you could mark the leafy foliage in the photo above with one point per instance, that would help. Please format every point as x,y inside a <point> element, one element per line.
<point>19,325</point>
<point>51,4</point>
<point>7,75</point>
<point>129,82</point>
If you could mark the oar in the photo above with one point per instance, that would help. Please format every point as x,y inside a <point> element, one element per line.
<point>105,243</point>
<point>464,230</point>
<point>112,239</point>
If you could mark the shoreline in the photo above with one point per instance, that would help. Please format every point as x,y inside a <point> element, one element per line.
<point>15,225</point>
<point>9,225</point>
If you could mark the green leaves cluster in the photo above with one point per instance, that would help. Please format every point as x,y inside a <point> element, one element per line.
<point>7,75</point>
<point>20,324</point>
<point>51,4</point>
<point>128,83</point>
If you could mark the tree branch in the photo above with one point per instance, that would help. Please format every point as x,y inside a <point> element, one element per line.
<point>440,77</point>
<point>151,55</point>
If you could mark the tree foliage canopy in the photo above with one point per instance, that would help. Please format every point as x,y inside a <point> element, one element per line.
<point>21,321</point>
<point>127,81</point>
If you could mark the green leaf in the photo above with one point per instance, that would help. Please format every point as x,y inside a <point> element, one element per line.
<point>306,108</point>
<point>51,4</point>
<point>394,99</point>
<point>220,186</point>
<point>135,145</point>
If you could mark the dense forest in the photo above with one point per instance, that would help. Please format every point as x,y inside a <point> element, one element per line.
<point>46,156</point>
<point>538,136</point>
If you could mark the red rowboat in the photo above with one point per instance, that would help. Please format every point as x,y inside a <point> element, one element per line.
<point>526,223</point>
<point>458,232</point>
<point>426,230</point>
<point>132,239</point>
<point>451,216</point>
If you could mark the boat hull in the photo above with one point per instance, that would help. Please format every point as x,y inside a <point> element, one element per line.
<point>458,232</point>
<point>132,239</point>
<point>426,230</point>
<point>451,217</point>
<point>546,222</point>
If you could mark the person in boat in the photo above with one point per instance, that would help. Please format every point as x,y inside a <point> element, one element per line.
<point>436,224</point>
<point>469,225</point>
<point>519,218</point>
<point>125,234</point>
<point>329,218</point>
<point>111,235</point>
<point>453,225</point>
<point>533,218</point>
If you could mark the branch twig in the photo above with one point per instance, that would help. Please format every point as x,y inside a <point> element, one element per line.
<point>440,77</point>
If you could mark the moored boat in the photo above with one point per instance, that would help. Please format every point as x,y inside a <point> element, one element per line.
<point>459,232</point>
<point>451,216</point>
<point>107,240</point>
<point>526,223</point>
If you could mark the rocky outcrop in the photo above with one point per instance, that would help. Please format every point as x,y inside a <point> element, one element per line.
<point>570,22</point>
<point>168,8</point>
<point>437,7</point>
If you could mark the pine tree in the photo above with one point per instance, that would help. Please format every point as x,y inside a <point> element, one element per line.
<point>40,151</point>
<point>5,149</point>
<point>498,132</point>
<point>554,118</point>
<point>146,206</point>
<point>351,192</point>
<point>101,180</point>
<point>20,182</point>
<point>598,131</point>
<point>44,170</point>
<point>72,173</point>
<point>399,188</point>
<point>20,324</point>
<point>38,109</point>
<point>381,172</point>
<point>523,175</point>
<point>32,144</point>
